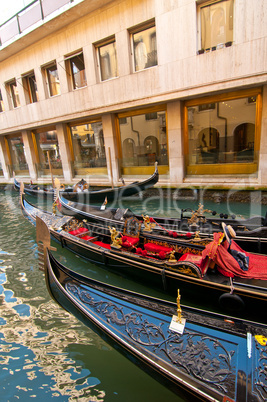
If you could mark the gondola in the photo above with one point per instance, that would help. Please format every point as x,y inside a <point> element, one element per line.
<point>206,356</point>
<point>88,195</point>
<point>251,233</point>
<point>165,264</point>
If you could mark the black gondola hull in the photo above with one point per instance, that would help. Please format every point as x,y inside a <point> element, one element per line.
<point>91,196</point>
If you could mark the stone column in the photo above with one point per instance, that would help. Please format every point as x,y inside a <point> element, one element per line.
<point>175,142</point>
<point>122,48</point>
<point>4,158</point>
<point>263,141</point>
<point>64,150</point>
<point>111,148</point>
<point>29,153</point>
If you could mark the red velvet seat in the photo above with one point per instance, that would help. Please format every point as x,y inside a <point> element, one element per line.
<point>78,231</point>
<point>201,262</point>
<point>129,242</point>
<point>156,248</point>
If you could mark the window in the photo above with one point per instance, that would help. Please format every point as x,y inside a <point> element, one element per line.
<point>48,152</point>
<point>52,79</point>
<point>17,154</point>
<point>216,24</point>
<point>223,132</point>
<point>2,109</point>
<point>145,47</point>
<point>75,64</point>
<point>13,91</point>
<point>107,60</point>
<point>143,141</point>
<point>30,86</point>
<point>88,147</point>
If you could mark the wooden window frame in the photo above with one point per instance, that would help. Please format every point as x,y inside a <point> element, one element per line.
<point>139,170</point>
<point>98,46</point>
<point>135,30</point>
<point>31,93</point>
<point>45,69</point>
<point>229,168</point>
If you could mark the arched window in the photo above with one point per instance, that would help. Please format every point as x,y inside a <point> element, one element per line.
<point>128,146</point>
<point>151,144</point>
<point>209,139</point>
<point>244,135</point>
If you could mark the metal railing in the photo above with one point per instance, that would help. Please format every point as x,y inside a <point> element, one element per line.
<point>26,18</point>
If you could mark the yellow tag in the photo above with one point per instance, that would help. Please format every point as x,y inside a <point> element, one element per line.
<point>261,339</point>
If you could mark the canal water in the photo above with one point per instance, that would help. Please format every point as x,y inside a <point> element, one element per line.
<point>46,353</point>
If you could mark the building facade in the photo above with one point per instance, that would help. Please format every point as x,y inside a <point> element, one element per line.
<point>105,89</point>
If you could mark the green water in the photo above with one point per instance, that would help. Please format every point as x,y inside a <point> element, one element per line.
<point>46,353</point>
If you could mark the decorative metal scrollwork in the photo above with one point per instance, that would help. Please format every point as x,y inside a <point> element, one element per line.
<point>201,356</point>
<point>260,372</point>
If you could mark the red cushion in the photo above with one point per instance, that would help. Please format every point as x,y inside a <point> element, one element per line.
<point>128,241</point>
<point>195,259</point>
<point>78,231</point>
<point>155,248</point>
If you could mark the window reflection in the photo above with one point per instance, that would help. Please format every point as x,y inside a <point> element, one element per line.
<point>78,71</point>
<point>143,139</point>
<point>14,94</point>
<point>145,48</point>
<point>53,80</point>
<point>17,155</point>
<point>216,23</point>
<point>108,61</point>
<point>48,153</point>
<point>222,132</point>
<point>30,85</point>
<point>2,108</point>
<point>88,147</point>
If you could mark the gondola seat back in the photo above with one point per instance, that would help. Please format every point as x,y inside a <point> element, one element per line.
<point>131,233</point>
<point>202,263</point>
<point>76,228</point>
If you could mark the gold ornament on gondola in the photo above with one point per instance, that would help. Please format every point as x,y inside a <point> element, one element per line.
<point>179,310</point>
<point>147,223</point>
<point>115,240</point>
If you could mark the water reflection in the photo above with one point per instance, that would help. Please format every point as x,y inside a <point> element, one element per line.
<point>33,345</point>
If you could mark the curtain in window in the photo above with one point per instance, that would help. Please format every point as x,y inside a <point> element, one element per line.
<point>216,23</point>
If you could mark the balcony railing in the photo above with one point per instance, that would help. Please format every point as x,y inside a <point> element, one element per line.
<point>26,18</point>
